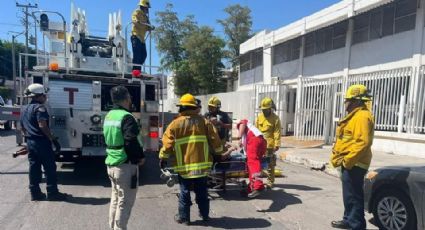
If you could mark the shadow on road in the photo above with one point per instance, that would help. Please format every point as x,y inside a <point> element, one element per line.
<point>297,187</point>
<point>88,200</point>
<point>234,223</point>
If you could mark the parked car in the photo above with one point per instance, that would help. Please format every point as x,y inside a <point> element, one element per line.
<point>7,125</point>
<point>396,197</point>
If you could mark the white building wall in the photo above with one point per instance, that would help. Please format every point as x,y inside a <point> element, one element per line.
<point>331,62</point>
<point>397,48</point>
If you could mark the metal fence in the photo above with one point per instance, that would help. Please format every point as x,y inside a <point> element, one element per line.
<point>315,107</point>
<point>280,95</point>
<point>398,102</point>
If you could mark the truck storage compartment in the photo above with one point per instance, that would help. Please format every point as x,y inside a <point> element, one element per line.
<point>106,100</point>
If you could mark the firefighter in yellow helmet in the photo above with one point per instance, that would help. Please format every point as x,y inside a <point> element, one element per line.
<point>187,142</point>
<point>219,119</point>
<point>269,124</point>
<point>141,25</point>
<point>352,152</point>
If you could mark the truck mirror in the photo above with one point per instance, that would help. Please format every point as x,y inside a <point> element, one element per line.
<point>44,22</point>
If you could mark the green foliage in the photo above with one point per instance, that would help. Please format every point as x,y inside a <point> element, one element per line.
<point>237,28</point>
<point>6,58</point>
<point>5,92</point>
<point>194,54</point>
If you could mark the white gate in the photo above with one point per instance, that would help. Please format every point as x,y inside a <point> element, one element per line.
<point>398,102</point>
<point>316,108</point>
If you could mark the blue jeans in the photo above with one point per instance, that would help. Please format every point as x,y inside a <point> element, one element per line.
<point>40,153</point>
<point>139,52</point>
<point>201,192</point>
<point>352,193</point>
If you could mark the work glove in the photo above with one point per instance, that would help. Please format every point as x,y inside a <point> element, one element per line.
<point>55,143</point>
<point>162,163</point>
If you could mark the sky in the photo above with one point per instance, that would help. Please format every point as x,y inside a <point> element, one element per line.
<point>266,14</point>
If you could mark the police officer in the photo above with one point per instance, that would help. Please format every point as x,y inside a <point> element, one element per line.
<point>124,154</point>
<point>35,127</point>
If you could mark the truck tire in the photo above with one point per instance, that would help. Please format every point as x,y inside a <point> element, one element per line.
<point>392,209</point>
<point>8,125</point>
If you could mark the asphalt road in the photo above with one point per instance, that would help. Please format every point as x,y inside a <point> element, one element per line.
<point>304,199</point>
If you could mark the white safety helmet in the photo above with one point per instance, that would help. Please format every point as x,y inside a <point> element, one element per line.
<point>35,90</point>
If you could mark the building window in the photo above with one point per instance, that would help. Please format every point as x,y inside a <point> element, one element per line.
<point>251,59</point>
<point>286,51</point>
<point>390,19</point>
<point>326,39</point>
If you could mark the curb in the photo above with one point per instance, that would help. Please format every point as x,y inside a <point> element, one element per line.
<point>311,164</point>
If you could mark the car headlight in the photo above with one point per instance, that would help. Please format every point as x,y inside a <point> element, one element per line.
<point>371,175</point>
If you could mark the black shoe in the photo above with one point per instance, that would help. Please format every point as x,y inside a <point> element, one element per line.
<point>38,196</point>
<point>181,221</point>
<point>340,224</point>
<point>58,196</point>
<point>205,219</point>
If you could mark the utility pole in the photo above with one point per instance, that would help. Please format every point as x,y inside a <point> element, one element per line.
<point>14,63</point>
<point>26,7</point>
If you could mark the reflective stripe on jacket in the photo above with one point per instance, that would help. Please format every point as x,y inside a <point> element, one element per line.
<point>187,143</point>
<point>114,139</point>
<point>270,127</point>
<point>139,18</point>
<point>354,138</point>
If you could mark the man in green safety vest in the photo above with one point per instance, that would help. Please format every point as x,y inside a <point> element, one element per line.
<point>124,155</point>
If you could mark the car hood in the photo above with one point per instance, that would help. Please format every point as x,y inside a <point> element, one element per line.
<point>420,168</point>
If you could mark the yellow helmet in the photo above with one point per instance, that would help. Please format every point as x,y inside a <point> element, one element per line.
<point>187,100</point>
<point>145,3</point>
<point>214,102</point>
<point>266,103</point>
<point>358,92</point>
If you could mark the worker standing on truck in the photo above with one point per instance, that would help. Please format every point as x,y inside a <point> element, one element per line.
<point>186,142</point>
<point>269,124</point>
<point>141,25</point>
<point>124,155</point>
<point>35,128</point>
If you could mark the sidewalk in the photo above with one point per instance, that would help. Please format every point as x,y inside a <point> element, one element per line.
<point>316,156</point>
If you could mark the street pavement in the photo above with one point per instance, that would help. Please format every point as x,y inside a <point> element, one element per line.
<point>304,199</point>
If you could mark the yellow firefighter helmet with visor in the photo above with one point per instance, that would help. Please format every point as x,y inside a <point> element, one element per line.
<point>187,100</point>
<point>358,92</point>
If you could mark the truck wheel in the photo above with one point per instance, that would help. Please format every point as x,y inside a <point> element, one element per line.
<point>394,210</point>
<point>8,125</point>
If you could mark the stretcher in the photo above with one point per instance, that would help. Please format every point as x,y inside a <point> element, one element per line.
<point>232,171</point>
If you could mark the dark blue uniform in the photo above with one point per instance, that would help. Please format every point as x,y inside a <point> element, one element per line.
<point>40,152</point>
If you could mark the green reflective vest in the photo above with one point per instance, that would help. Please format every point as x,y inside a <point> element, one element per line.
<point>114,139</point>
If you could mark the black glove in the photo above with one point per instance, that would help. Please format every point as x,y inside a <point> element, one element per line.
<point>55,143</point>
<point>162,163</point>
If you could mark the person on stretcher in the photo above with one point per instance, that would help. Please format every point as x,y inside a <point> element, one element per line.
<point>254,145</point>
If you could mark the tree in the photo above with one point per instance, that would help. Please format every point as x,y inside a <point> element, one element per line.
<point>191,52</point>
<point>6,57</point>
<point>205,54</point>
<point>237,28</point>
<point>169,36</point>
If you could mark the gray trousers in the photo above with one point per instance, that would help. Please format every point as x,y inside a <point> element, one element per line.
<point>123,196</point>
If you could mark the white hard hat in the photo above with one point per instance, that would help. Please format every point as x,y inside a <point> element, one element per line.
<point>34,90</point>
